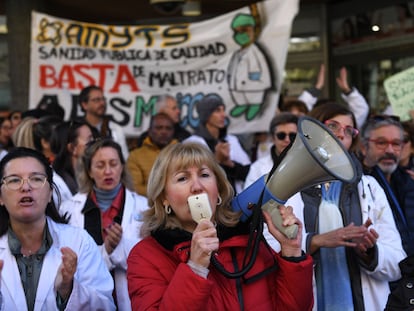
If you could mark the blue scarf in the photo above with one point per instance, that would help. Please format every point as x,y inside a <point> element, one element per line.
<point>104,198</point>
<point>332,276</point>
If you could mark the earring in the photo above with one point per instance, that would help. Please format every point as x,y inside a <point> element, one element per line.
<point>219,200</point>
<point>167,209</point>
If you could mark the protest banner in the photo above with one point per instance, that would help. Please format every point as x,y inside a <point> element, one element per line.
<point>239,55</point>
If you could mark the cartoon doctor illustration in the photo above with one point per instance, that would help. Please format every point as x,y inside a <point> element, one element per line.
<point>249,72</point>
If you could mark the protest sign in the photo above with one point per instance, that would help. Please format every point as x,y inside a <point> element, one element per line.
<point>239,55</point>
<point>400,93</point>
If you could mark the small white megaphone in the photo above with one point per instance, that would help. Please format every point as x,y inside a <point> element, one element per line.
<point>316,156</point>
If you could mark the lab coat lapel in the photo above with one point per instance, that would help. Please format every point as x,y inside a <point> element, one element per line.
<point>51,264</point>
<point>50,267</point>
<point>11,276</point>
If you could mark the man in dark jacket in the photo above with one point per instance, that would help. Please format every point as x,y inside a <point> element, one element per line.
<point>382,142</point>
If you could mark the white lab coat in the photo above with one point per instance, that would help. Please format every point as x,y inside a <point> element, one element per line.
<point>135,204</point>
<point>92,284</point>
<point>118,135</point>
<point>258,168</point>
<point>374,204</point>
<point>63,189</point>
<point>249,75</point>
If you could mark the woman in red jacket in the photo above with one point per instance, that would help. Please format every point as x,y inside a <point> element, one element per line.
<point>184,265</point>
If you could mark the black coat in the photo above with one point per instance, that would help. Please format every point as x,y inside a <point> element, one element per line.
<point>402,297</point>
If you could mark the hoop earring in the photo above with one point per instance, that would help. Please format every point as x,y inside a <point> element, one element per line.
<point>167,209</point>
<point>219,200</point>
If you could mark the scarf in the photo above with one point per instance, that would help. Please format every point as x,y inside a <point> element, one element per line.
<point>104,198</point>
<point>332,276</point>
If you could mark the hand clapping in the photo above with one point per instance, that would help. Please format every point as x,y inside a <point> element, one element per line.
<point>113,237</point>
<point>66,272</point>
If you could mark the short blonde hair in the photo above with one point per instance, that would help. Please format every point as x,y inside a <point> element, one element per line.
<point>180,156</point>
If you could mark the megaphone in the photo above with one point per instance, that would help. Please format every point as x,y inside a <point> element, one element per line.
<point>316,156</point>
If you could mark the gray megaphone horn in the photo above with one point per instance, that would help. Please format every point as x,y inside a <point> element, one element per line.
<point>316,156</point>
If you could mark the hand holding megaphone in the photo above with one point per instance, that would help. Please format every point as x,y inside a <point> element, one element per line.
<point>272,208</point>
<point>315,157</point>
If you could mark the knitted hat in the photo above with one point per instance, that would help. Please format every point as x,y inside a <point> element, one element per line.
<point>207,105</point>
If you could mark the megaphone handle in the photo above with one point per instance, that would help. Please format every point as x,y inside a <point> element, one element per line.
<point>272,208</point>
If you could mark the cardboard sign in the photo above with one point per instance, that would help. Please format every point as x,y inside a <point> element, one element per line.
<point>400,92</point>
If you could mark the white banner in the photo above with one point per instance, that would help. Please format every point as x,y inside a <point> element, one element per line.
<point>240,56</point>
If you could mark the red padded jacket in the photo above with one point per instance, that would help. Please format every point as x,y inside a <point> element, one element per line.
<point>160,279</point>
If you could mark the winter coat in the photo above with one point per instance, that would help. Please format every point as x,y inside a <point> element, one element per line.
<point>160,279</point>
<point>402,297</point>
<point>358,202</point>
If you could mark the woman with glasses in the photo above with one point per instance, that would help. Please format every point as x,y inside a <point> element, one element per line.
<point>108,209</point>
<point>349,230</point>
<point>37,134</point>
<point>44,263</point>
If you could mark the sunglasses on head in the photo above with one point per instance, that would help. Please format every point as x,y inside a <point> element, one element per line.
<point>282,135</point>
<point>383,117</point>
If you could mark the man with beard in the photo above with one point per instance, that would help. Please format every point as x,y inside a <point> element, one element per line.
<point>93,103</point>
<point>382,142</point>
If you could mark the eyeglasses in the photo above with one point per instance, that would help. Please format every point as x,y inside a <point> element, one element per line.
<point>14,182</point>
<point>98,99</point>
<point>282,135</point>
<point>335,126</point>
<point>382,143</point>
<point>406,139</point>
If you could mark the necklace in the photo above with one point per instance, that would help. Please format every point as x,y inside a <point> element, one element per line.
<point>26,253</point>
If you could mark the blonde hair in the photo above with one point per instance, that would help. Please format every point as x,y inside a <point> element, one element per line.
<point>176,157</point>
<point>23,134</point>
